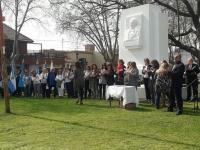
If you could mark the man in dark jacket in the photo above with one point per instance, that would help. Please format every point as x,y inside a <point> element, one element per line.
<point>192,70</point>
<point>176,75</point>
<point>51,83</point>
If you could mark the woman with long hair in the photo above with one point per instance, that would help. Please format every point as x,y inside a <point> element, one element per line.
<point>110,75</point>
<point>152,72</point>
<point>87,81</point>
<point>145,72</point>
<point>79,82</point>
<point>163,95</point>
<point>94,79</point>
<point>161,84</point>
<point>132,75</point>
<point>102,81</point>
<point>120,72</point>
<point>36,83</point>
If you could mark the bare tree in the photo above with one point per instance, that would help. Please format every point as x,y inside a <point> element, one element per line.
<point>96,23</point>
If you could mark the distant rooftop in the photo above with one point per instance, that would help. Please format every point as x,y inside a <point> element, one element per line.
<point>9,34</point>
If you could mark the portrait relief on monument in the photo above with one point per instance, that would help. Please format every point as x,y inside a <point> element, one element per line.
<point>133,32</point>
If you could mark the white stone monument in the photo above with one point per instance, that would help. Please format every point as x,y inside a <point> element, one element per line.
<point>143,34</point>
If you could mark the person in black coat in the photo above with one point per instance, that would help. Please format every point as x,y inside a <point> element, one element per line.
<point>152,72</point>
<point>146,73</point>
<point>51,82</point>
<point>192,80</point>
<point>110,75</point>
<point>176,75</point>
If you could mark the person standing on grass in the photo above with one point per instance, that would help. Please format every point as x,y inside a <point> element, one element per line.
<point>67,75</point>
<point>94,79</point>
<point>43,79</point>
<point>152,72</point>
<point>27,84</point>
<point>176,75</point>
<point>51,83</point>
<point>192,79</point>
<point>110,75</point>
<point>60,83</point>
<point>145,72</point>
<point>161,84</point>
<point>87,81</point>
<point>163,95</point>
<point>131,75</point>
<point>120,72</point>
<point>36,83</point>
<point>79,82</point>
<point>102,81</point>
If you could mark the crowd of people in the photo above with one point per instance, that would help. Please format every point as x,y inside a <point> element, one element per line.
<point>166,81</point>
<point>160,80</point>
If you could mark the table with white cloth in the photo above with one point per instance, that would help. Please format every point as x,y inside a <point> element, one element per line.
<point>127,93</point>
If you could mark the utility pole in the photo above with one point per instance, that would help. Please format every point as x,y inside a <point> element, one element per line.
<point>3,63</point>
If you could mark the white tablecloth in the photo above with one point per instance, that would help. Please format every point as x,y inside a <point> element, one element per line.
<point>128,93</point>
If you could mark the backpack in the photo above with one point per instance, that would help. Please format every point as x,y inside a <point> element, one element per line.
<point>162,84</point>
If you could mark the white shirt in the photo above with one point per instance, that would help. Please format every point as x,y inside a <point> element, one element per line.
<point>43,77</point>
<point>67,76</point>
<point>87,74</point>
<point>59,77</point>
<point>146,74</point>
<point>35,79</point>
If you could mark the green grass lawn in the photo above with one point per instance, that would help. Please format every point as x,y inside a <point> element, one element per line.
<point>55,124</point>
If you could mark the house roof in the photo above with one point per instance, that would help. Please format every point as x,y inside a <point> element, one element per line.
<point>9,34</point>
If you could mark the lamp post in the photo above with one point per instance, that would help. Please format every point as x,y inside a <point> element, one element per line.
<point>4,69</point>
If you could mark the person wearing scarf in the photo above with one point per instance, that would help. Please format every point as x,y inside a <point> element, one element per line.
<point>120,72</point>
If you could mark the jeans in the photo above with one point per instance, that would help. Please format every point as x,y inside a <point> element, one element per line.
<point>157,99</point>
<point>27,90</point>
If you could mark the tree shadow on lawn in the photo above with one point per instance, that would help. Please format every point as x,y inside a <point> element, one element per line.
<point>113,131</point>
<point>117,106</point>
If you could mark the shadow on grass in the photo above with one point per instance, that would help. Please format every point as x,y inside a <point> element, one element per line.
<point>113,131</point>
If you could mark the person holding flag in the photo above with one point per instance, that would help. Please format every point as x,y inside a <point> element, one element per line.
<point>12,81</point>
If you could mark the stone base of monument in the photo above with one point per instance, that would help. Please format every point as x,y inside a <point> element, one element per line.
<point>128,106</point>
<point>141,92</point>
